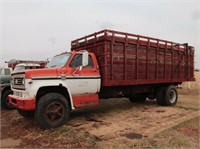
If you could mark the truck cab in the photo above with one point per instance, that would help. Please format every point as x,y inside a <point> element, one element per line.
<point>70,80</point>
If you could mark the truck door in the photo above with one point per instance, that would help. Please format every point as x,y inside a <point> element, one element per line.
<point>83,80</point>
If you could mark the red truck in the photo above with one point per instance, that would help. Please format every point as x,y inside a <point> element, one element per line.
<point>105,64</point>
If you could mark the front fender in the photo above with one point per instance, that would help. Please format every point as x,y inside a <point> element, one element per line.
<point>33,86</point>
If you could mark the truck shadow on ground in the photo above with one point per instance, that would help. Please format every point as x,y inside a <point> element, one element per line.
<point>11,118</point>
<point>109,105</point>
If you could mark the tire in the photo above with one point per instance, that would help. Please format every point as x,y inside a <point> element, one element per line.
<point>26,114</point>
<point>4,100</point>
<point>52,110</point>
<point>171,96</point>
<point>138,98</point>
<point>167,96</point>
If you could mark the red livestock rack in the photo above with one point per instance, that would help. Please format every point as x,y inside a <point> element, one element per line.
<point>129,59</point>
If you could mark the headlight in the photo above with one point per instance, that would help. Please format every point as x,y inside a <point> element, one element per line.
<point>23,81</point>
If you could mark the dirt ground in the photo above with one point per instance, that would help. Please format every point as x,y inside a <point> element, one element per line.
<point>115,123</point>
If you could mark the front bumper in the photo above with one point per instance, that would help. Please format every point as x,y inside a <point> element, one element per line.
<point>22,103</point>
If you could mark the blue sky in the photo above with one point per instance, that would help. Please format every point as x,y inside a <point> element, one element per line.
<point>36,30</point>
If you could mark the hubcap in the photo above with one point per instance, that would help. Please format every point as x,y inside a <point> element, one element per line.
<point>172,96</point>
<point>55,112</point>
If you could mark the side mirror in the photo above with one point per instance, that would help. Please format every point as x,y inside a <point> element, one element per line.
<point>85,58</point>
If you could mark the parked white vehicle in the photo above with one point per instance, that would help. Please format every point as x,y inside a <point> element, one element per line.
<point>24,66</point>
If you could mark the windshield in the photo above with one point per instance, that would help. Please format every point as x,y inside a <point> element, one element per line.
<point>59,61</point>
<point>17,68</point>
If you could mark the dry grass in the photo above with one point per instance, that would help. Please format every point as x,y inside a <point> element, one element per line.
<point>192,87</point>
<point>114,124</point>
<point>183,135</point>
<point>191,102</point>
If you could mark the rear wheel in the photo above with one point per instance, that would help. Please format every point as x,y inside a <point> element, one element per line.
<point>138,98</point>
<point>167,96</point>
<point>4,100</point>
<point>52,110</point>
<point>171,96</point>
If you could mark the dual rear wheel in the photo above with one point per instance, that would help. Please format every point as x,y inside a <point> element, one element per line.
<point>165,96</point>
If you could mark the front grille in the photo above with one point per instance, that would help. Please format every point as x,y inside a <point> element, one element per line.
<point>18,81</point>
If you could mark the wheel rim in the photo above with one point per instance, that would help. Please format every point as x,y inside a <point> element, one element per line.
<point>55,112</point>
<point>172,96</point>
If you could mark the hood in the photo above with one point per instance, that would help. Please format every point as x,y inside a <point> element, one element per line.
<point>37,73</point>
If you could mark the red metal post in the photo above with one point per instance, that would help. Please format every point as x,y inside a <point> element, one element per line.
<point>179,61</point>
<point>105,59</point>
<point>165,58</point>
<point>172,60</point>
<point>125,45</point>
<point>111,54</point>
<point>189,62</point>
<point>157,59</point>
<point>136,61</point>
<point>147,58</point>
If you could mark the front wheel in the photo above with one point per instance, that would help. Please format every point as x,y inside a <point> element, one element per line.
<point>52,110</point>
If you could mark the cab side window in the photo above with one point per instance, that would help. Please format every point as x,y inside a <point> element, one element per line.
<point>77,61</point>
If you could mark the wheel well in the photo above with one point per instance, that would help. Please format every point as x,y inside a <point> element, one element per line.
<point>56,89</point>
<point>5,89</point>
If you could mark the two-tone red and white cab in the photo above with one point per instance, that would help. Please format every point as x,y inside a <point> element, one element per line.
<point>71,80</point>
